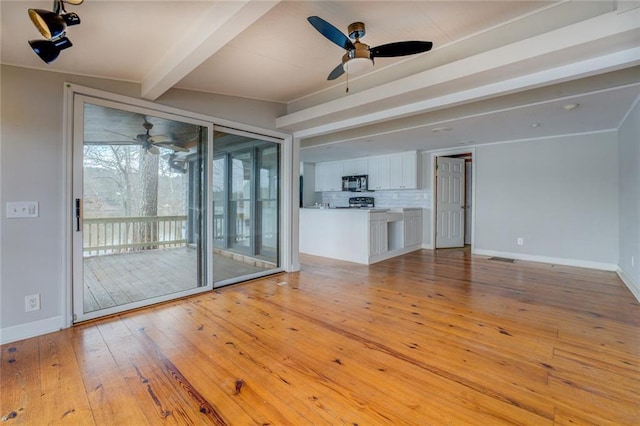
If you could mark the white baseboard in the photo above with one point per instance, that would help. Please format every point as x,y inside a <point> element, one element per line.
<point>30,329</point>
<point>631,285</point>
<point>394,253</point>
<point>554,260</point>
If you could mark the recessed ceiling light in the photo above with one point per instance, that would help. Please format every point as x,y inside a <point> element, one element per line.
<point>570,107</point>
<point>535,125</point>
<point>440,129</point>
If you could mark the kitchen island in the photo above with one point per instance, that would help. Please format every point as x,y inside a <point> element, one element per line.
<point>363,236</point>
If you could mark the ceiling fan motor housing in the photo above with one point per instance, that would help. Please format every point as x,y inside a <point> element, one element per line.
<point>356,30</point>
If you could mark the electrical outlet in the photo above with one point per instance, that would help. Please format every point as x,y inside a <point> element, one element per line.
<point>32,303</point>
<point>520,241</point>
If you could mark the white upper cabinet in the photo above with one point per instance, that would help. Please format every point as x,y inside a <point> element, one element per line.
<point>404,170</point>
<point>354,167</point>
<point>329,176</point>
<point>396,171</point>
<point>379,173</point>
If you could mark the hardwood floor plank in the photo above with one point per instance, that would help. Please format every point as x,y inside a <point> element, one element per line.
<point>355,345</point>
<point>217,383</point>
<point>582,392</point>
<point>109,395</point>
<point>248,352</point>
<point>152,380</point>
<point>20,381</point>
<point>63,397</point>
<point>432,337</point>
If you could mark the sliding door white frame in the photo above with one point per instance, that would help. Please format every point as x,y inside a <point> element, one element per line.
<point>287,202</point>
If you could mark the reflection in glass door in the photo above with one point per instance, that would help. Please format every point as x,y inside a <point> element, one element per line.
<point>267,199</point>
<point>140,189</point>
<point>246,196</point>
<point>240,201</point>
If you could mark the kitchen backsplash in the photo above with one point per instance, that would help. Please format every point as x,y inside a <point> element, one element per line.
<point>383,199</point>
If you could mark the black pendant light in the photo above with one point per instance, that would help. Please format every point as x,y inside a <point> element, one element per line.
<point>48,50</point>
<point>52,25</point>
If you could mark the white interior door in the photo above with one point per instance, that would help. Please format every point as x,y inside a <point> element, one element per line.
<point>450,201</point>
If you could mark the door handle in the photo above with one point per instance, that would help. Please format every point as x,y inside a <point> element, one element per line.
<point>78,214</point>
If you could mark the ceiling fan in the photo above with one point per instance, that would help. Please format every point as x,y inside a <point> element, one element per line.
<point>152,143</point>
<point>359,56</point>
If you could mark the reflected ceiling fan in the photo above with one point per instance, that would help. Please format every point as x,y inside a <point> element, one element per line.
<point>359,56</point>
<point>152,143</point>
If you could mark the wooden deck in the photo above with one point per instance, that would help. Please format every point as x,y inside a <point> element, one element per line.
<point>118,279</point>
<point>428,338</point>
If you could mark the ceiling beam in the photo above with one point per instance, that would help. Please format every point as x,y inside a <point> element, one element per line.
<point>597,45</point>
<point>220,24</point>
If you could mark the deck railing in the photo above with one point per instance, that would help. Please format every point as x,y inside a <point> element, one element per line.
<point>109,235</point>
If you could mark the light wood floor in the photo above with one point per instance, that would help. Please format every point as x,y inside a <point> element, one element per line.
<point>429,338</point>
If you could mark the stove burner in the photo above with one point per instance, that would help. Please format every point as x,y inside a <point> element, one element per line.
<point>360,202</point>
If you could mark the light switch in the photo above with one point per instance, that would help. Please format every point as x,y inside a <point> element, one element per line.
<point>18,209</point>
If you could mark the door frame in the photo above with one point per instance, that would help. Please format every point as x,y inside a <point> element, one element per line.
<point>70,91</point>
<point>432,184</point>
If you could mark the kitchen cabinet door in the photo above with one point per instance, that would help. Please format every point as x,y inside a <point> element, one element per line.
<point>355,167</point>
<point>321,180</point>
<point>379,173</point>
<point>378,239</point>
<point>403,171</point>
<point>329,176</point>
<point>412,228</point>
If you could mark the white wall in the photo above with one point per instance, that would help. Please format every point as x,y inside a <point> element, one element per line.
<point>241,110</point>
<point>559,194</point>
<point>629,177</point>
<point>31,160</point>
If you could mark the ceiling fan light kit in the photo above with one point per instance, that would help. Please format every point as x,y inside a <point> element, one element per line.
<point>359,57</point>
<point>52,25</point>
<point>357,61</point>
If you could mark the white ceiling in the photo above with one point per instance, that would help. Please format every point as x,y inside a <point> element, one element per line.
<point>267,50</point>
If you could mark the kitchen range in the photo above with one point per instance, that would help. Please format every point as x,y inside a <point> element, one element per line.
<point>359,203</point>
<point>360,232</point>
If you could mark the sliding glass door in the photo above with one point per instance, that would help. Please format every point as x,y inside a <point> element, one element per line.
<point>141,217</point>
<point>246,196</point>
<point>166,206</point>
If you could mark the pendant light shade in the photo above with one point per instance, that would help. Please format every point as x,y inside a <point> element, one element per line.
<point>51,24</point>
<point>48,50</point>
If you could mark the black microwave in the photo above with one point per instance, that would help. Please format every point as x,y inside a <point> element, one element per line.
<point>355,183</point>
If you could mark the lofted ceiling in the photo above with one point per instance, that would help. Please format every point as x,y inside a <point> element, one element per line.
<point>485,54</point>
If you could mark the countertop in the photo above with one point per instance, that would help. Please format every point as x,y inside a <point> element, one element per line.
<point>364,209</point>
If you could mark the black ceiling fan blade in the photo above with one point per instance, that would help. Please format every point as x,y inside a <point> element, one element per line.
<point>400,48</point>
<point>337,72</point>
<point>330,32</point>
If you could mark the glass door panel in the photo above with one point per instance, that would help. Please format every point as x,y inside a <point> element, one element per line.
<point>140,189</point>
<point>241,201</point>
<point>268,184</point>
<point>246,205</point>
<point>219,186</point>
